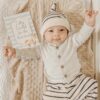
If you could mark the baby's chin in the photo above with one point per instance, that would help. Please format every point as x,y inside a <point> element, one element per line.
<point>56,44</point>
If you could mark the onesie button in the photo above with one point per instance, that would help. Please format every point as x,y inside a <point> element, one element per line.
<point>57,47</point>
<point>62,66</point>
<point>65,76</point>
<point>59,56</point>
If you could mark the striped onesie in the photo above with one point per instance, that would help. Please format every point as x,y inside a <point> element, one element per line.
<point>80,88</point>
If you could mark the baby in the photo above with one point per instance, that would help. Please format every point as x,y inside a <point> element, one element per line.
<point>59,54</point>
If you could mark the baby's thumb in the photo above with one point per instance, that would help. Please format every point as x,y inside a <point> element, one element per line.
<point>5,51</point>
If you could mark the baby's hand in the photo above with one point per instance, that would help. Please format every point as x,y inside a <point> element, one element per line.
<point>90,17</point>
<point>9,51</point>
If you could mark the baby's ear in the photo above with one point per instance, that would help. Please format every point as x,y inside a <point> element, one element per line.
<point>67,31</point>
<point>42,38</point>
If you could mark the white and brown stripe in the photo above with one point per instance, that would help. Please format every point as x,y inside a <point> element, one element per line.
<point>80,88</point>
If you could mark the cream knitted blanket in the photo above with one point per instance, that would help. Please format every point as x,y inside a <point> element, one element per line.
<point>27,79</point>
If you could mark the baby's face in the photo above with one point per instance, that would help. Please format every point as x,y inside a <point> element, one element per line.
<point>56,35</point>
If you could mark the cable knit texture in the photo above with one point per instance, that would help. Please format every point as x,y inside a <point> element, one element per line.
<point>26,79</point>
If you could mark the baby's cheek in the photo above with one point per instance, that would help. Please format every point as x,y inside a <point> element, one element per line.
<point>48,39</point>
<point>64,37</point>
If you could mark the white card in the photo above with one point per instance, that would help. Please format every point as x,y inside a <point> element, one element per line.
<point>21,30</point>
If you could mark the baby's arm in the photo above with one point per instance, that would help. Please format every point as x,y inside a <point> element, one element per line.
<point>21,53</point>
<point>27,53</point>
<point>87,29</point>
<point>84,33</point>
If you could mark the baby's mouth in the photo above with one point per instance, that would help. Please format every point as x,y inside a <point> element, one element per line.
<point>56,40</point>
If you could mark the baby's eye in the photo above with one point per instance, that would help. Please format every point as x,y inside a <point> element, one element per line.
<point>61,29</point>
<point>50,30</point>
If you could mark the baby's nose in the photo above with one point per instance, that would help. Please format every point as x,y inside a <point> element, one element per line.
<point>56,33</point>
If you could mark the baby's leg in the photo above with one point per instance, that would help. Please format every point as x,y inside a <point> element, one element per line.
<point>89,89</point>
<point>93,94</point>
<point>55,91</point>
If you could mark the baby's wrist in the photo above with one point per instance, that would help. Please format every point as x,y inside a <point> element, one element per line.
<point>90,25</point>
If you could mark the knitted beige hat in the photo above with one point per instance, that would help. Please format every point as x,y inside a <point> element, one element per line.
<point>54,19</point>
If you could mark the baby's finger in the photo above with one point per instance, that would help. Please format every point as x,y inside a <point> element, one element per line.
<point>88,12</point>
<point>10,53</point>
<point>5,52</point>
